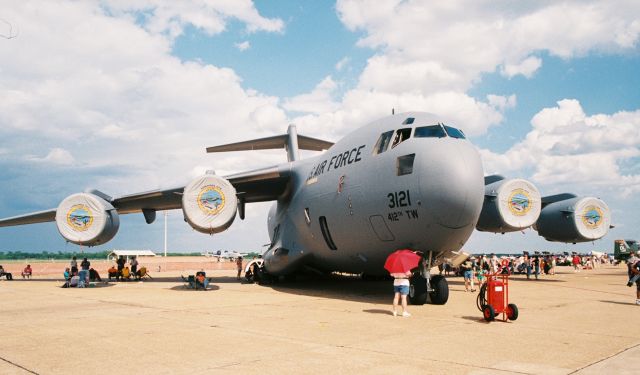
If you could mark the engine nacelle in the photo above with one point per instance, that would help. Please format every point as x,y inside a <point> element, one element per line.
<point>87,219</point>
<point>209,204</point>
<point>574,219</point>
<point>509,205</point>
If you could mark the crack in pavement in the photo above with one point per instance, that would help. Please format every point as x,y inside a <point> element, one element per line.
<point>19,366</point>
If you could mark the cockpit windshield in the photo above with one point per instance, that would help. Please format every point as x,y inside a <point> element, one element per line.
<point>454,133</point>
<point>438,131</point>
<point>431,131</point>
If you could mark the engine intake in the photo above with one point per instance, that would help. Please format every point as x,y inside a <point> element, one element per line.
<point>567,218</point>
<point>87,219</point>
<point>209,204</point>
<point>509,205</point>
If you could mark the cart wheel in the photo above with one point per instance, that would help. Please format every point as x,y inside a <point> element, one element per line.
<point>512,311</point>
<point>489,313</point>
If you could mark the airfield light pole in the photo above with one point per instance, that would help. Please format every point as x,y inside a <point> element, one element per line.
<point>166,213</point>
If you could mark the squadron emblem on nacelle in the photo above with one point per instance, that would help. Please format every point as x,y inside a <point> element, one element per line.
<point>519,202</point>
<point>80,217</point>
<point>592,217</point>
<point>211,199</point>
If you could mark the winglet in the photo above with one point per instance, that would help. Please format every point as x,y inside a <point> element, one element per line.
<point>291,141</point>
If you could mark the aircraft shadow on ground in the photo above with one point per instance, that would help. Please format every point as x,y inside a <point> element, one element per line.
<point>353,288</point>
<point>349,288</point>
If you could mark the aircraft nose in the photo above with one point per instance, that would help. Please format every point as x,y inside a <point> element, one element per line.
<point>452,184</point>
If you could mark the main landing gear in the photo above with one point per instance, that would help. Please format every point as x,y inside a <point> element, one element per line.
<point>426,288</point>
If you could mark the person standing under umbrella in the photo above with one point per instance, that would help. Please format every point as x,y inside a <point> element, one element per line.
<point>399,264</point>
<point>401,290</point>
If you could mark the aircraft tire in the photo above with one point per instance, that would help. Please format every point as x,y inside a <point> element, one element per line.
<point>440,293</point>
<point>417,290</point>
<point>512,311</point>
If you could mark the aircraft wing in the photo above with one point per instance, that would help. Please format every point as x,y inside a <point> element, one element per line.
<point>33,218</point>
<point>259,185</point>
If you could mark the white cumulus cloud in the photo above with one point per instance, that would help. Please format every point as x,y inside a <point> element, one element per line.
<point>566,147</point>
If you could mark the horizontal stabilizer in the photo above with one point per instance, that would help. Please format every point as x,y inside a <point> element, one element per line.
<point>275,142</point>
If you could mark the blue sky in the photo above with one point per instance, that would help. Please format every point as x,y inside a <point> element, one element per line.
<point>125,97</point>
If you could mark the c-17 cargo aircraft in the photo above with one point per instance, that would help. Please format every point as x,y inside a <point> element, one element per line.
<point>404,181</point>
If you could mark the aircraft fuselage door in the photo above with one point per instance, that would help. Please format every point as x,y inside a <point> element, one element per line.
<point>335,221</point>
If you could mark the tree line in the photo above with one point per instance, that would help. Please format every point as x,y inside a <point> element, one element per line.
<point>46,255</point>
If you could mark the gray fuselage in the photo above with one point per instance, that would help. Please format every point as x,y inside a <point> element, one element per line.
<point>350,207</point>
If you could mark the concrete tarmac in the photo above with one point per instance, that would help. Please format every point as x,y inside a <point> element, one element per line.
<point>582,323</point>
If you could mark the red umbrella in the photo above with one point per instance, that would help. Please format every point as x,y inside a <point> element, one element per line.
<point>401,261</point>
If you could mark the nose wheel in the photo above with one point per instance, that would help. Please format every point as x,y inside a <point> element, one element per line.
<point>439,293</point>
<point>418,290</point>
<point>435,291</point>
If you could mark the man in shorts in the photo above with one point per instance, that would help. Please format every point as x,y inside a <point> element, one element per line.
<point>468,269</point>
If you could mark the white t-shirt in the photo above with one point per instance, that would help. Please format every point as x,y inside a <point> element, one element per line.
<point>400,279</point>
<point>398,282</point>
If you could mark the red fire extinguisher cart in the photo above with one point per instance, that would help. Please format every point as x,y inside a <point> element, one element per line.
<point>493,298</point>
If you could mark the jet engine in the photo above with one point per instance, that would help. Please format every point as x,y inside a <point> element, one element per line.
<point>567,218</point>
<point>509,205</point>
<point>87,219</point>
<point>209,204</point>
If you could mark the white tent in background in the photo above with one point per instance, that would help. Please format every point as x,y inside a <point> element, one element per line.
<point>129,254</point>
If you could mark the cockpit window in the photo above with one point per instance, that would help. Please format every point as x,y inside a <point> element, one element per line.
<point>431,131</point>
<point>408,121</point>
<point>383,142</point>
<point>454,133</point>
<point>401,136</point>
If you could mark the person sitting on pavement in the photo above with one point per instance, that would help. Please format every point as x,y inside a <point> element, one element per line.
<point>142,272</point>
<point>201,280</point>
<point>113,272</point>
<point>67,277</point>
<point>126,274</point>
<point>27,271</point>
<point>94,275</point>
<point>8,275</point>
<point>74,282</point>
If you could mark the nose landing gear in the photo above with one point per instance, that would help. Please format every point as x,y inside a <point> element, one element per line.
<point>426,288</point>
